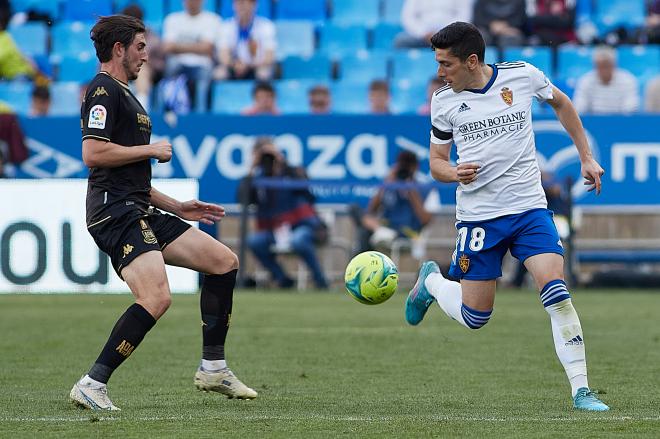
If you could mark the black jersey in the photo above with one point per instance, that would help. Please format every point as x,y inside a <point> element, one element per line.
<point>110,112</point>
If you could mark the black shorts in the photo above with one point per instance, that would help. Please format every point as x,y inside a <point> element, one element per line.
<point>128,236</point>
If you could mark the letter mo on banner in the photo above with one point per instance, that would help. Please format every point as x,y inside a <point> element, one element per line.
<point>45,246</point>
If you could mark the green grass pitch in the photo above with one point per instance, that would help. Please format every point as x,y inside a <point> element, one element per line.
<point>327,366</point>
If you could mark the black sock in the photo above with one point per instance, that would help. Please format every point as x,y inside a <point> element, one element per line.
<point>215,303</point>
<point>127,334</point>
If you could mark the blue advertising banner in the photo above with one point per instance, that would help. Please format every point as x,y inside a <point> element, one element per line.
<point>352,153</point>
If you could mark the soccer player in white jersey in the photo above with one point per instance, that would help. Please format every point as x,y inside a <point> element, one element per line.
<point>485,110</point>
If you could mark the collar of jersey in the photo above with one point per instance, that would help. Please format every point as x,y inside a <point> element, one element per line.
<point>488,85</point>
<point>123,84</point>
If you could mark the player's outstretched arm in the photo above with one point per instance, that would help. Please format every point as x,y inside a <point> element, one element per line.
<point>99,153</point>
<point>192,210</point>
<point>568,116</point>
<point>443,171</point>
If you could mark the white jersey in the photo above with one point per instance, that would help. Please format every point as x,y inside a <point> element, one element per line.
<point>493,127</point>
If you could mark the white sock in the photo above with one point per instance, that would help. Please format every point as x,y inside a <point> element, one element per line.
<point>569,342</point>
<point>87,381</point>
<point>211,365</point>
<point>448,295</point>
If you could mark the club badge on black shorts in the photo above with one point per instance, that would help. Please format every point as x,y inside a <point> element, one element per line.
<point>149,237</point>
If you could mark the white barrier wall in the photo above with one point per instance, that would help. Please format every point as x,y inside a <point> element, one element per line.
<point>45,247</point>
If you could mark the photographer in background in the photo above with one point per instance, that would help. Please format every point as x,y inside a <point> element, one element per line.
<point>393,213</point>
<point>286,219</point>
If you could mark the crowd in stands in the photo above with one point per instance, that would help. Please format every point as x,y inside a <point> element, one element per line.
<point>327,56</point>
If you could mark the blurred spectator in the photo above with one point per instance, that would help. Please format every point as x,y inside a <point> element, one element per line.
<point>40,101</point>
<point>552,22</point>
<point>607,88</point>
<point>501,22</point>
<point>263,100</point>
<point>319,99</point>
<point>247,44</point>
<point>433,84</point>
<point>423,18</point>
<point>652,96</point>
<point>12,62</point>
<point>12,142</point>
<point>189,43</point>
<point>154,69</point>
<point>393,213</point>
<point>651,30</point>
<point>379,97</point>
<point>286,219</point>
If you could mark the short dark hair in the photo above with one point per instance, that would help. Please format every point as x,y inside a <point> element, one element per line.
<point>462,39</point>
<point>407,158</point>
<point>379,85</point>
<point>41,92</point>
<point>262,86</point>
<point>319,89</point>
<point>112,29</point>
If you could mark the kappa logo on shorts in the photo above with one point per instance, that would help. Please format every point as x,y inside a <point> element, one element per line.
<point>149,237</point>
<point>127,249</point>
<point>464,263</point>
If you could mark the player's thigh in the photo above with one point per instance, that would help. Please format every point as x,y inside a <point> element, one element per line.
<point>201,252</point>
<point>147,279</point>
<point>545,267</point>
<point>479,294</point>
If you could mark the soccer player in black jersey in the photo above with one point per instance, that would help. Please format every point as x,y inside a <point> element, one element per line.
<point>124,217</point>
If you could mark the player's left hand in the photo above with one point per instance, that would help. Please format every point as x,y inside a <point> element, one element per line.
<point>592,171</point>
<point>205,213</point>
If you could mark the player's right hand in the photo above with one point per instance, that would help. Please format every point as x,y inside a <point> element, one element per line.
<point>162,150</point>
<point>467,172</point>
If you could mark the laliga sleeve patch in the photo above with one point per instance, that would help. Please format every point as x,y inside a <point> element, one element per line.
<point>97,116</point>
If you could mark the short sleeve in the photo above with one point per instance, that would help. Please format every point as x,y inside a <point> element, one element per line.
<point>541,85</point>
<point>269,40</point>
<point>441,128</point>
<point>99,112</point>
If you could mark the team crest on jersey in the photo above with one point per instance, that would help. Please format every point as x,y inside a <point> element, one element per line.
<point>97,116</point>
<point>100,91</point>
<point>507,95</point>
<point>464,263</point>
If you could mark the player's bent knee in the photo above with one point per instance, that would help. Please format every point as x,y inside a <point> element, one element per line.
<point>224,262</point>
<point>473,318</point>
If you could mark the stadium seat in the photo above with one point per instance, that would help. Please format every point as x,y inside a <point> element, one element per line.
<point>86,10</point>
<point>313,10</point>
<point>541,57</point>
<point>349,97</point>
<point>177,5</point>
<point>316,67</point>
<point>294,38</point>
<point>31,38</point>
<point>416,65</point>
<point>49,7</point>
<point>407,96</point>
<point>642,61</point>
<point>383,35</point>
<point>611,14</point>
<point>573,62</point>
<point>71,38</point>
<point>17,95</point>
<point>337,41</point>
<point>154,10</point>
<point>292,95</point>
<point>264,8</point>
<point>65,99</point>
<point>364,66</point>
<point>350,12</point>
<point>80,68</point>
<point>231,96</point>
<point>392,11</point>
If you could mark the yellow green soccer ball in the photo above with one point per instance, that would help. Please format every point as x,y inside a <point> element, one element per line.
<point>371,278</point>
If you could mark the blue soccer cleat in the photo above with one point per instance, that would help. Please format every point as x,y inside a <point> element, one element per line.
<point>419,299</point>
<point>585,399</point>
